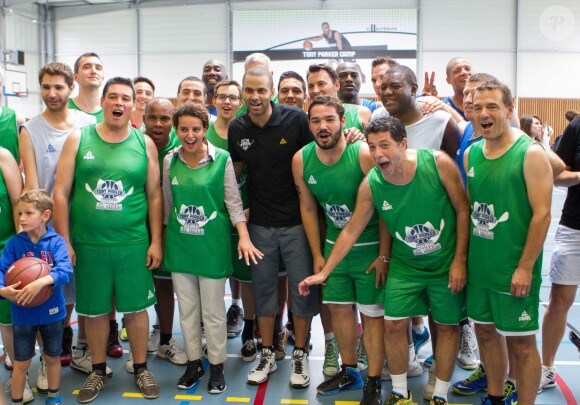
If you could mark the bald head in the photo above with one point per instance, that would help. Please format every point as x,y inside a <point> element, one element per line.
<point>214,71</point>
<point>158,101</point>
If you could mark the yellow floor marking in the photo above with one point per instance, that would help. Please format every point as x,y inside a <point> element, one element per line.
<point>188,397</point>
<point>237,399</point>
<point>132,395</point>
<point>294,401</point>
<point>346,402</point>
<point>76,392</point>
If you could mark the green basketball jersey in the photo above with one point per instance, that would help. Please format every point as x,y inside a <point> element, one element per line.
<point>420,219</point>
<point>99,115</point>
<point>199,223</point>
<point>352,118</point>
<point>335,187</point>
<point>221,143</point>
<point>9,131</point>
<point>161,153</point>
<point>109,205</point>
<point>500,216</point>
<point>6,218</point>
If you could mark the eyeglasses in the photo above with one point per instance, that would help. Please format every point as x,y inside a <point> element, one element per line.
<point>224,97</point>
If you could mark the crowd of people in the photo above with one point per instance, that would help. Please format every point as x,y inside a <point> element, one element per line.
<point>404,208</point>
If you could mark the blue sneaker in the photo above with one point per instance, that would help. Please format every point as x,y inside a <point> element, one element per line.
<point>476,382</point>
<point>420,340</point>
<point>54,401</point>
<point>511,395</point>
<point>485,400</point>
<point>428,362</point>
<point>347,378</point>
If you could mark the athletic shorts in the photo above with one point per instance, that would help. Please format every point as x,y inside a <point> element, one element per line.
<point>5,314</point>
<point>242,271</point>
<point>565,263</point>
<point>104,270</point>
<point>69,290</point>
<point>408,298</point>
<point>290,245</point>
<point>512,316</point>
<point>160,273</point>
<point>349,284</point>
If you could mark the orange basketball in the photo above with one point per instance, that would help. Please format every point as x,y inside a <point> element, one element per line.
<point>26,271</point>
<point>307,45</point>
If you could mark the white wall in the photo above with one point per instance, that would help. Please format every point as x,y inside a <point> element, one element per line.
<point>23,34</point>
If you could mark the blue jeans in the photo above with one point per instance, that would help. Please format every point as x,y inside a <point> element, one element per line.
<point>25,338</point>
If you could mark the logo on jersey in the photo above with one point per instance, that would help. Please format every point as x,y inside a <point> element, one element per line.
<point>50,149</point>
<point>422,238</point>
<point>89,156</point>
<point>175,182</point>
<point>150,295</point>
<point>471,173</point>
<point>387,206</point>
<point>283,141</point>
<point>193,219</point>
<point>312,180</point>
<point>525,317</point>
<point>245,144</point>
<point>339,214</point>
<point>484,220</point>
<point>109,194</point>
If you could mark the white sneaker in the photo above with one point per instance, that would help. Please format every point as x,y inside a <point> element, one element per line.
<point>548,379</point>
<point>385,372</point>
<point>300,377</point>
<point>154,338</point>
<point>173,353</point>
<point>42,378</point>
<point>467,345</point>
<point>430,387</point>
<point>129,363</point>
<point>414,369</point>
<point>82,361</point>
<point>27,395</point>
<point>7,361</point>
<point>266,365</point>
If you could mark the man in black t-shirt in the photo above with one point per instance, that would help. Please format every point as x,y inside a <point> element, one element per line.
<point>264,141</point>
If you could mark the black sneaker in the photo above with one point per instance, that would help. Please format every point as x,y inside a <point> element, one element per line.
<point>235,323</point>
<point>217,382</point>
<point>372,392</point>
<point>347,378</point>
<point>192,374</point>
<point>249,350</point>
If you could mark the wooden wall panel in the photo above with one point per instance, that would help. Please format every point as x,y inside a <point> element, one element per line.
<point>550,110</point>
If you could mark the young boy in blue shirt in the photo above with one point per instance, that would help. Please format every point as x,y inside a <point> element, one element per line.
<point>41,241</point>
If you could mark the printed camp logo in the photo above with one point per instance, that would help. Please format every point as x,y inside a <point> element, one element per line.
<point>193,219</point>
<point>484,220</point>
<point>109,194</point>
<point>422,238</point>
<point>245,144</point>
<point>339,215</point>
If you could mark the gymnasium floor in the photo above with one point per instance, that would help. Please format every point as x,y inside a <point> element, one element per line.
<point>122,390</point>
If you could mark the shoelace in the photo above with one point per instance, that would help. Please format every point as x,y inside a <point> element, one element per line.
<point>371,386</point>
<point>233,315</point>
<point>475,376</point>
<point>264,361</point>
<point>145,379</point>
<point>465,349</point>
<point>297,364</point>
<point>509,390</point>
<point>94,382</point>
<point>330,352</point>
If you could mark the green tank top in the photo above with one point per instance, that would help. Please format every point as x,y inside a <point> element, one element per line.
<point>335,187</point>
<point>6,218</point>
<point>9,131</point>
<point>421,220</point>
<point>99,115</point>
<point>351,115</point>
<point>199,223</point>
<point>161,153</point>
<point>109,205</point>
<point>500,216</point>
<point>213,137</point>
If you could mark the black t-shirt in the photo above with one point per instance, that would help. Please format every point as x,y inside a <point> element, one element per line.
<point>267,153</point>
<point>569,151</point>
